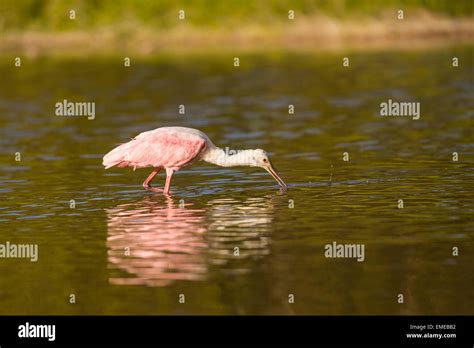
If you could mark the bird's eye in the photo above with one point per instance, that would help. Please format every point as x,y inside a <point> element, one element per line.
<point>265,160</point>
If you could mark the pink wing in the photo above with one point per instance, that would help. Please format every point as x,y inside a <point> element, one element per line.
<point>156,149</point>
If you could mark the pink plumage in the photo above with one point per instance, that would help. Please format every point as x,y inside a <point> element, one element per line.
<point>167,147</point>
<point>172,148</point>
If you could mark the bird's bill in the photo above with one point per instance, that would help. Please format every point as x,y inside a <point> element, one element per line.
<point>269,168</point>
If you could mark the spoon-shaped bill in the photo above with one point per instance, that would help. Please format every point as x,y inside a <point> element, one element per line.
<point>275,175</point>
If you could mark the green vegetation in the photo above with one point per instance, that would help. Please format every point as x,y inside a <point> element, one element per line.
<point>54,14</point>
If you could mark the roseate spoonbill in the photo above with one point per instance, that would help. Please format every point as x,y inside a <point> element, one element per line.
<point>172,148</point>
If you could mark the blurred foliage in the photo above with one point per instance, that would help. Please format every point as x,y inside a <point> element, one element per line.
<point>54,14</point>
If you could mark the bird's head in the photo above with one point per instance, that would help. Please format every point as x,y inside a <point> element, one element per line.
<point>260,159</point>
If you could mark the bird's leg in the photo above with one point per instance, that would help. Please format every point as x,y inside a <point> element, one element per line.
<point>169,174</point>
<point>146,183</point>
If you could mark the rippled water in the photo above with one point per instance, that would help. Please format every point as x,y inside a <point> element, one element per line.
<point>228,238</point>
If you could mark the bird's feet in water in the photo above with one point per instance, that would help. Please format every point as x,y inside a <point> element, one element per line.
<point>155,189</point>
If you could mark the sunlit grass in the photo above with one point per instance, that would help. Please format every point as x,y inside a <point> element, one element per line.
<point>53,15</point>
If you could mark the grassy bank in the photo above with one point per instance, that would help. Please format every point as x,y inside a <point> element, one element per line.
<point>53,14</point>
<point>36,27</point>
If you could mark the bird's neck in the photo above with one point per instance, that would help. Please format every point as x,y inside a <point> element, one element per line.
<point>229,158</point>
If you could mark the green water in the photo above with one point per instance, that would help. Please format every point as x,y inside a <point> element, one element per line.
<point>186,243</point>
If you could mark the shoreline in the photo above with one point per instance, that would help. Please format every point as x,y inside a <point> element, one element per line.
<point>306,34</point>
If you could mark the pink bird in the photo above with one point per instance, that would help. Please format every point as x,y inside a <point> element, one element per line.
<point>173,148</point>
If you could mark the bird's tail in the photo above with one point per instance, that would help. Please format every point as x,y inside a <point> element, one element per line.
<point>116,156</point>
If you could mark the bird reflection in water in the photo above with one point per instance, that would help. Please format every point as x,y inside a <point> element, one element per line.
<point>157,241</point>
<point>246,226</point>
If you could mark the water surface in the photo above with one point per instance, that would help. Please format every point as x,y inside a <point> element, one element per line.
<point>228,238</point>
